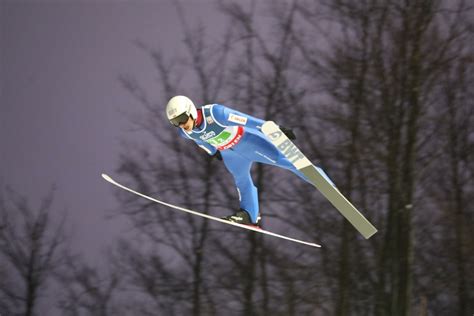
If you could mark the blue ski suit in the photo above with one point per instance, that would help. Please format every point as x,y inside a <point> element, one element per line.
<point>239,138</point>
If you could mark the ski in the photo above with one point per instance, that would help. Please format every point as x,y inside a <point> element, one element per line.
<point>217,219</point>
<point>318,178</point>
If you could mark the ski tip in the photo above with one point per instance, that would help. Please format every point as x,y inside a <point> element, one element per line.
<point>268,126</point>
<point>107,178</point>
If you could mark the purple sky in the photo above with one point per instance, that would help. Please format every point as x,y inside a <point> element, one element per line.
<point>61,103</point>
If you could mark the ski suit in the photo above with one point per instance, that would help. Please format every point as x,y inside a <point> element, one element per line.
<point>239,139</point>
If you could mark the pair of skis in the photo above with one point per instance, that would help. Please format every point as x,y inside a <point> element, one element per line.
<point>315,176</point>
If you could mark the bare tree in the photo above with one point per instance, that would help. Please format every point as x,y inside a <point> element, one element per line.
<point>453,187</point>
<point>381,70</point>
<point>87,290</point>
<point>179,171</point>
<point>30,252</point>
<point>264,84</point>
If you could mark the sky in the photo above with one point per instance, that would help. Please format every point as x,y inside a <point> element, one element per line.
<point>62,107</point>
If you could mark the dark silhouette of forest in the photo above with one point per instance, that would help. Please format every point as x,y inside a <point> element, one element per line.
<point>379,93</point>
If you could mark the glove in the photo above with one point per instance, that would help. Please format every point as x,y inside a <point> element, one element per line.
<point>217,155</point>
<point>288,132</point>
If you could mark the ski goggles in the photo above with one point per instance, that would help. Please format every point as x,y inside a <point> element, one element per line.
<point>180,119</point>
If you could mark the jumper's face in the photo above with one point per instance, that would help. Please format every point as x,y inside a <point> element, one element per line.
<point>188,125</point>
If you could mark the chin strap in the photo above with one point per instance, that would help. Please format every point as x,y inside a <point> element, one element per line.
<point>198,120</point>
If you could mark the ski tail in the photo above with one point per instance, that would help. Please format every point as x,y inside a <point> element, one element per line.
<point>318,178</point>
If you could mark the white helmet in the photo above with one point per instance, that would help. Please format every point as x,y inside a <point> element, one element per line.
<point>179,109</point>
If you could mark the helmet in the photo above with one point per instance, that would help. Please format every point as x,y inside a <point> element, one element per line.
<point>179,109</point>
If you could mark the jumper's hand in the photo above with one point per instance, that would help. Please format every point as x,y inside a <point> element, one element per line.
<point>217,155</point>
<point>288,132</point>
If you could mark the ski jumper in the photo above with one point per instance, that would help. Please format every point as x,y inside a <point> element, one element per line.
<point>239,139</point>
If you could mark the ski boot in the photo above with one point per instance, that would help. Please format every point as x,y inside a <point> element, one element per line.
<point>242,217</point>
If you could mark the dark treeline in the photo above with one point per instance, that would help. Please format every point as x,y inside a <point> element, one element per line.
<point>379,94</point>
